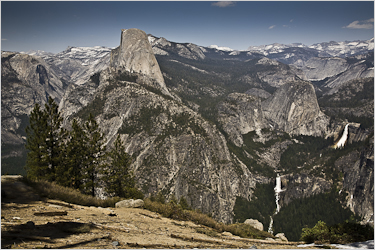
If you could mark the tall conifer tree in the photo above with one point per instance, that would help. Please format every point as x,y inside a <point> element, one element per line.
<point>95,153</point>
<point>56,136</point>
<point>36,163</point>
<point>117,176</point>
<point>71,172</point>
<point>45,141</point>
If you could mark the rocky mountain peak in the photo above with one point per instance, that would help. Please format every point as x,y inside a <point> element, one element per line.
<point>294,108</point>
<point>135,55</point>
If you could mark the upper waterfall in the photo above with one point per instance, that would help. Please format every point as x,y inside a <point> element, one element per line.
<point>278,185</point>
<point>344,137</point>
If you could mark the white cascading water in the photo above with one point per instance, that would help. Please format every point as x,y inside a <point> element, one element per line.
<point>278,190</point>
<point>344,137</point>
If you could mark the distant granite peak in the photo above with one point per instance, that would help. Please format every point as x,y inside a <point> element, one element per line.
<point>136,56</point>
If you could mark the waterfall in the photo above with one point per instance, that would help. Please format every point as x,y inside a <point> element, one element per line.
<point>278,190</point>
<point>344,137</point>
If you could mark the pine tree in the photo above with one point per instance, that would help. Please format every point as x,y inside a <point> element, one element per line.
<point>117,176</point>
<point>55,140</point>
<point>36,163</point>
<point>70,174</point>
<point>95,155</point>
<point>45,141</point>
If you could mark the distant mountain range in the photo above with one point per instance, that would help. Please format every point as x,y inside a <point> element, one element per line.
<point>88,60</point>
<point>339,49</point>
<point>332,48</point>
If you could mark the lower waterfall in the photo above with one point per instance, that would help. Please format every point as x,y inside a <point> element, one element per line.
<point>278,190</point>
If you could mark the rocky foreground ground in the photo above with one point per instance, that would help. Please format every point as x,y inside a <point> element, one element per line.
<point>27,221</point>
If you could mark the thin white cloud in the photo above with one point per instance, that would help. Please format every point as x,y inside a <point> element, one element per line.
<point>224,4</point>
<point>4,39</point>
<point>271,27</point>
<point>361,24</point>
<point>291,20</point>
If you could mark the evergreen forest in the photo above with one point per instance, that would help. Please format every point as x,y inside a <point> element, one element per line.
<point>77,158</point>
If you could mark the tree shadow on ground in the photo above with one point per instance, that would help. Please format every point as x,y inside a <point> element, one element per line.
<point>47,233</point>
<point>13,190</point>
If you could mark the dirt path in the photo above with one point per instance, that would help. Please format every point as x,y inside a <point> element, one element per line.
<point>29,222</point>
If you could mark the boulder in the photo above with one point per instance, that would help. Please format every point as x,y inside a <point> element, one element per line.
<point>138,203</point>
<point>228,234</point>
<point>281,236</point>
<point>130,203</point>
<point>255,224</point>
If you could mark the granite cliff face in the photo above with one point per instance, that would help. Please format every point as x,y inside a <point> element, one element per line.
<point>240,114</point>
<point>26,80</point>
<point>361,66</point>
<point>135,55</point>
<point>358,181</point>
<point>281,75</point>
<point>294,109</point>
<point>319,68</point>
<point>302,185</point>
<point>333,72</point>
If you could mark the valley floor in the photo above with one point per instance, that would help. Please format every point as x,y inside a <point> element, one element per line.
<point>30,222</point>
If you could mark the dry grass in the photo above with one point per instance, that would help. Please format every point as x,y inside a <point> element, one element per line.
<point>206,231</point>
<point>174,211</point>
<point>169,210</point>
<point>70,195</point>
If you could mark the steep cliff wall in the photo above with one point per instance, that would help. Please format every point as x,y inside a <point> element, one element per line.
<point>358,181</point>
<point>25,80</point>
<point>239,114</point>
<point>294,109</point>
<point>135,55</point>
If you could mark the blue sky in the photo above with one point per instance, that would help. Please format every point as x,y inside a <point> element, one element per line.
<point>53,26</point>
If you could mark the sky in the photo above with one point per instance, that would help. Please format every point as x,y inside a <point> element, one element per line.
<point>53,26</point>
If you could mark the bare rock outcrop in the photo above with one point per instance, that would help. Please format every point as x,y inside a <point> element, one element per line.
<point>318,68</point>
<point>277,74</point>
<point>358,181</point>
<point>302,185</point>
<point>25,80</point>
<point>135,55</point>
<point>254,223</point>
<point>294,109</point>
<point>239,114</point>
<point>130,203</point>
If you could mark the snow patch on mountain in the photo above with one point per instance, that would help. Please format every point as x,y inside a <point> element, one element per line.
<point>220,48</point>
<point>335,49</point>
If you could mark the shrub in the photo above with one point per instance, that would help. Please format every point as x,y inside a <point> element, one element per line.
<point>341,233</point>
<point>134,193</point>
<point>207,231</point>
<point>95,78</point>
<point>183,203</point>
<point>173,211</point>
<point>319,233</point>
<point>170,210</point>
<point>160,198</point>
